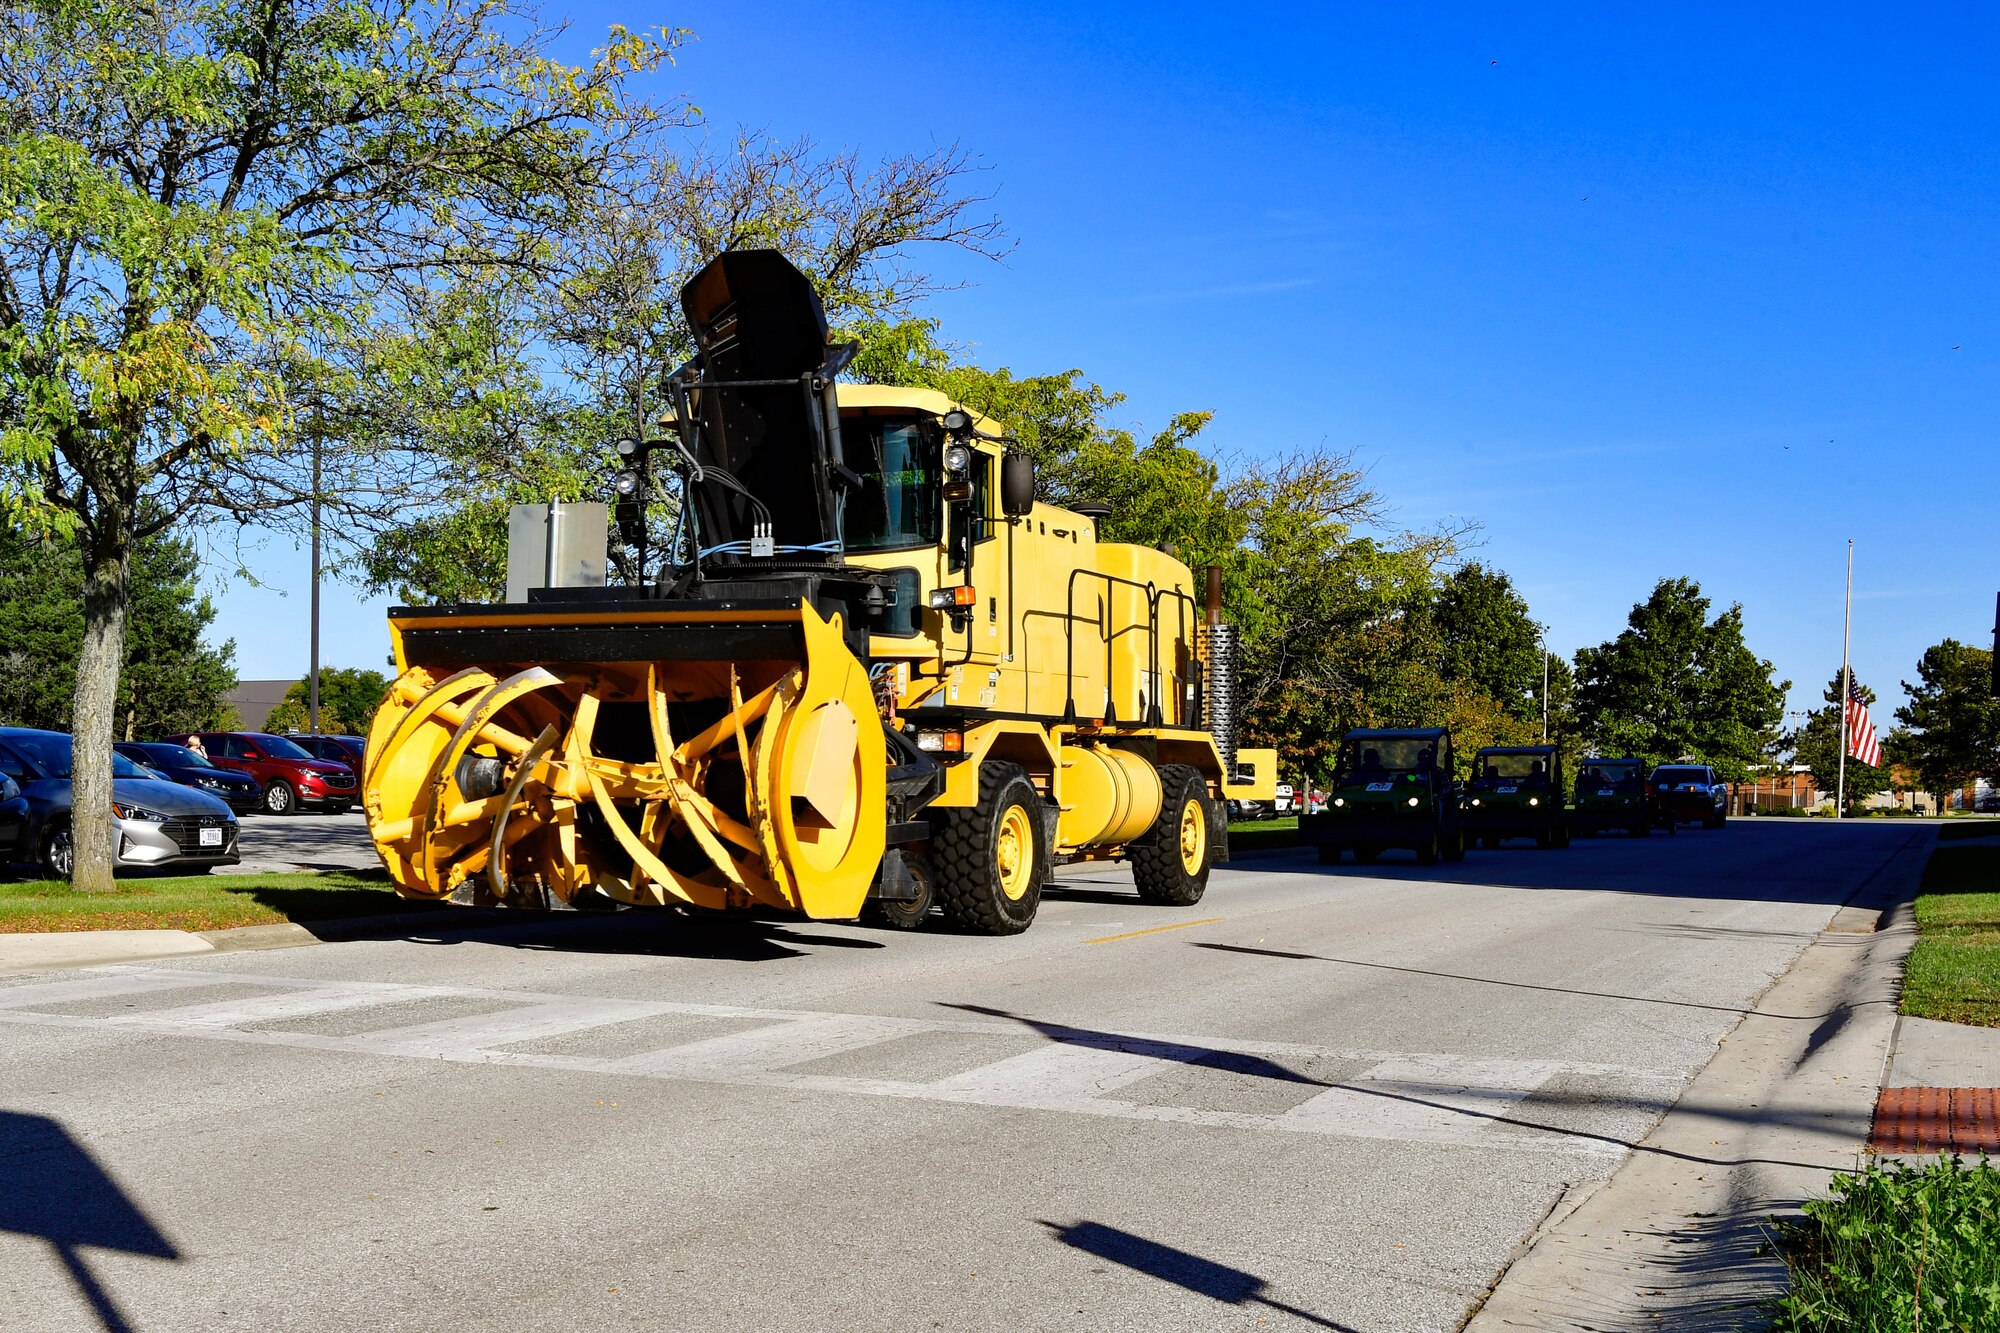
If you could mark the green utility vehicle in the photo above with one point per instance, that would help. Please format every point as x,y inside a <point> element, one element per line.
<point>1391,788</point>
<point>1517,792</point>
<point>1611,793</point>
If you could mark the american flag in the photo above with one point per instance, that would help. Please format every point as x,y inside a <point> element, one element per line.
<point>1861,741</point>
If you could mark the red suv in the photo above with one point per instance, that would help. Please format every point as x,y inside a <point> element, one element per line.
<point>291,777</point>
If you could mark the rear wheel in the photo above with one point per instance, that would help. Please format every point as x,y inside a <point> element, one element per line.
<point>279,798</point>
<point>1428,851</point>
<point>990,857</point>
<point>1170,863</point>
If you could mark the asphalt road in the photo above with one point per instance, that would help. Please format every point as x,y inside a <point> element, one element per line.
<point>307,841</point>
<point>1330,1099</point>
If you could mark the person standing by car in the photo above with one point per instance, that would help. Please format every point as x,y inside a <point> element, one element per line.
<point>194,743</point>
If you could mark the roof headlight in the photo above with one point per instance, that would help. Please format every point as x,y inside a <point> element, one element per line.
<point>957,459</point>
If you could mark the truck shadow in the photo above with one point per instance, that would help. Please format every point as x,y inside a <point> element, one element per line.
<point>52,1188</point>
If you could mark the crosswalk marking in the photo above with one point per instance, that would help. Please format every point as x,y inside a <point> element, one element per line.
<point>1424,1097</point>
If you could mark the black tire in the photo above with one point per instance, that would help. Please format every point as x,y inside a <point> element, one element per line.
<point>1428,851</point>
<point>1642,830</point>
<point>905,913</point>
<point>1366,854</point>
<point>1329,853</point>
<point>1161,859</point>
<point>57,853</point>
<point>1488,842</point>
<point>1562,835</point>
<point>280,799</point>
<point>1454,846</point>
<point>972,886</point>
<point>1545,839</point>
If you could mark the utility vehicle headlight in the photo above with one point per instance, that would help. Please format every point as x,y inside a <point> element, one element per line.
<point>1534,800</point>
<point>1475,800</point>
<point>957,460</point>
<point>1414,801</point>
<point>1339,801</point>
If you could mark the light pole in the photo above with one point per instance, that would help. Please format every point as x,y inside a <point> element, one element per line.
<point>1545,688</point>
<point>312,689</point>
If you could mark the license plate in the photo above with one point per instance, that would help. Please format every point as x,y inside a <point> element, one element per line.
<point>1381,786</point>
<point>1508,791</point>
<point>1605,792</point>
<point>211,837</point>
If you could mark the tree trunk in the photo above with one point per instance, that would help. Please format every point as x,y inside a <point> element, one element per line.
<point>107,563</point>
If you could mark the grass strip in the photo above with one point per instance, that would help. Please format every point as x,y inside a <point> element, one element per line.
<point>1954,970</point>
<point>1258,835</point>
<point>1896,1249</point>
<point>198,902</point>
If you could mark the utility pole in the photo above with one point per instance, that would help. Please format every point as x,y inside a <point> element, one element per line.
<point>1846,684</point>
<point>312,688</point>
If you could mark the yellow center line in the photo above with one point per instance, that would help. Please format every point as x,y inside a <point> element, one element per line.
<point>1154,930</point>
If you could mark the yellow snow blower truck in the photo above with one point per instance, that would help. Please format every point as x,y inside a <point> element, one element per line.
<point>865,673</point>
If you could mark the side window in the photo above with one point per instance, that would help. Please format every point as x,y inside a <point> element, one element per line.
<point>11,765</point>
<point>982,496</point>
<point>233,747</point>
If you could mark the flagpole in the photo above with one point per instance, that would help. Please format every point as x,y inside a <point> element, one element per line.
<point>1846,685</point>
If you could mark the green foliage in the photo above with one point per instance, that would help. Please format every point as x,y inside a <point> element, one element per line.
<point>1489,640</point>
<point>172,680</point>
<point>1817,745</point>
<point>1677,685</point>
<point>348,698</point>
<point>1896,1248</point>
<point>1952,719</point>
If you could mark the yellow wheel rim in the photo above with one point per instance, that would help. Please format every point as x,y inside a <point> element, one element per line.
<point>1194,838</point>
<point>1014,853</point>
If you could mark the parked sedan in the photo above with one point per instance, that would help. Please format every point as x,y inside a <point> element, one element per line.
<point>153,823</point>
<point>1691,793</point>
<point>177,763</point>
<point>340,749</point>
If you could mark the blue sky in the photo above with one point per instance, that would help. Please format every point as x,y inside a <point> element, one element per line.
<point>1645,291</point>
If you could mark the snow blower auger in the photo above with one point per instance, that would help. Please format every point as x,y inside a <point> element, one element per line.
<point>802,700</point>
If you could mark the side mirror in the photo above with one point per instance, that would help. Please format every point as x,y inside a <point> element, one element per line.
<point>9,789</point>
<point>252,752</point>
<point>1017,485</point>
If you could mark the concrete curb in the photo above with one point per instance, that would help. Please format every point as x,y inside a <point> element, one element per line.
<point>1674,1238</point>
<point>55,950</point>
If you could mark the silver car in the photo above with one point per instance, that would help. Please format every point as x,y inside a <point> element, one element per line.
<point>154,822</point>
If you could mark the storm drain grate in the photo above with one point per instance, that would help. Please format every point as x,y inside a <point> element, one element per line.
<point>1916,1122</point>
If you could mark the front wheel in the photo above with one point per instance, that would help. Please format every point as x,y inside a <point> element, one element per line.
<point>279,798</point>
<point>990,857</point>
<point>58,856</point>
<point>1454,846</point>
<point>905,913</point>
<point>1170,864</point>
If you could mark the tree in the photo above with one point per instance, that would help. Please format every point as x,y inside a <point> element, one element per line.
<point>1952,721</point>
<point>1677,685</point>
<point>211,207</point>
<point>583,348</point>
<point>1488,639</point>
<point>348,698</point>
<point>1816,744</point>
<point>171,679</point>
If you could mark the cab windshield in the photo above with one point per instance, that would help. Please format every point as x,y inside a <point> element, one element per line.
<point>898,503</point>
<point>1597,776</point>
<point>1386,759</point>
<point>51,753</point>
<point>1529,768</point>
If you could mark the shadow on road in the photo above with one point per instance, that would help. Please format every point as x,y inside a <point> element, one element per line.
<point>52,1188</point>
<point>1234,1062</point>
<point>663,934</point>
<point>1776,861</point>
<point>1205,1277</point>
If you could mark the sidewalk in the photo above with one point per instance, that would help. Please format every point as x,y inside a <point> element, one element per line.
<point>1942,1093</point>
